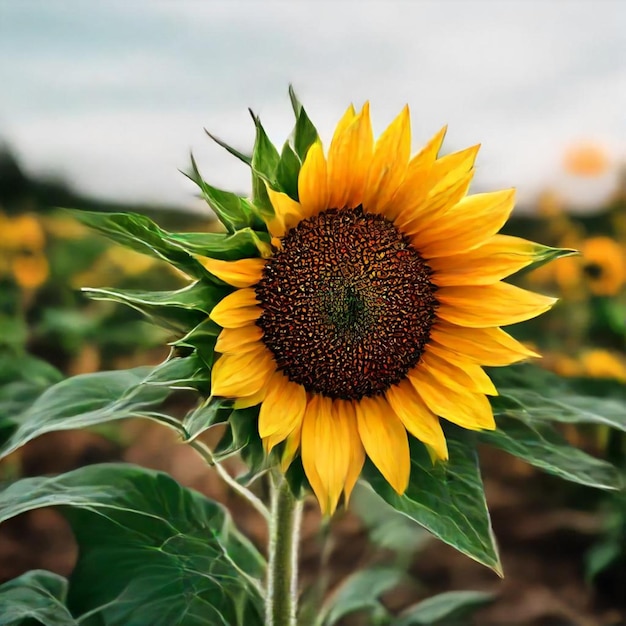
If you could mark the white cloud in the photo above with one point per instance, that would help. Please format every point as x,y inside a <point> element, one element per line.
<point>114,96</point>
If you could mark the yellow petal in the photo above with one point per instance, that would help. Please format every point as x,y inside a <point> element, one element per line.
<point>497,258</point>
<point>451,167</point>
<point>312,182</point>
<point>389,163</point>
<point>282,410</point>
<point>481,306</point>
<point>385,440</point>
<point>292,444</point>
<point>469,410</point>
<point>422,214</point>
<point>287,212</point>
<point>447,183</point>
<point>242,339</point>
<point>240,375</point>
<point>413,188</point>
<point>417,418</point>
<point>242,273</point>
<point>466,225</point>
<point>324,445</point>
<point>488,346</point>
<point>344,410</point>
<point>349,157</point>
<point>237,309</point>
<point>465,376</point>
<point>252,400</point>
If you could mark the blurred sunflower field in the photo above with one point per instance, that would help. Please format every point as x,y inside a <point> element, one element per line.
<point>563,545</point>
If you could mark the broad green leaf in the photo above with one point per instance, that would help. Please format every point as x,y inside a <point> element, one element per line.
<point>386,527</point>
<point>540,445</point>
<point>91,399</point>
<point>178,310</point>
<point>22,379</point>
<point>446,609</point>
<point>234,212</point>
<point>150,551</point>
<point>362,592</point>
<point>36,595</point>
<point>529,392</point>
<point>447,499</point>
<point>287,171</point>
<point>243,244</point>
<point>141,234</point>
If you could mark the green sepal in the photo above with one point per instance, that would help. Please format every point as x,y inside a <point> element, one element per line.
<point>211,412</point>
<point>247,159</point>
<point>287,171</point>
<point>177,310</point>
<point>202,339</point>
<point>305,134</point>
<point>232,211</point>
<point>546,254</point>
<point>243,244</point>
<point>265,159</point>
<point>141,234</point>
<point>242,437</point>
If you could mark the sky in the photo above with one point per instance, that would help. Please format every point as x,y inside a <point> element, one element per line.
<point>113,96</point>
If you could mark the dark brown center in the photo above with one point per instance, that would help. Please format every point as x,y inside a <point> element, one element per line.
<point>347,304</point>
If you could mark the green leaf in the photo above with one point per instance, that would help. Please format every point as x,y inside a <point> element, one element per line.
<point>178,310</point>
<point>234,212</point>
<point>22,379</point>
<point>150,551</point>
<point>287,171</point>
<point>91,399</point>
<point>36,595</point>
<point>140,233</point>
<point>448,498</point>
<point>362,592</point>
<point>446,609</point>
<point>528,392</point>
<point>540,445</point>
<point>386,527</point>
<point>243,244</point>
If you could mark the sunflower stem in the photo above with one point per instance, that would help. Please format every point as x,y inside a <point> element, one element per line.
<point>282,577</point>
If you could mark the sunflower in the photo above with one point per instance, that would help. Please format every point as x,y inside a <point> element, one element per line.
<point>376,308</point>
<point>604,265</point>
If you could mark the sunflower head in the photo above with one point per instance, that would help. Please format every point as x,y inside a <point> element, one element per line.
<point>369,318</point>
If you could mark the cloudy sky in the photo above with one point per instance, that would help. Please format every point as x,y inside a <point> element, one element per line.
<point>113,96</point>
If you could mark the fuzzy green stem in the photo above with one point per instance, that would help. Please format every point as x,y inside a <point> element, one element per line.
<point>282,576</point>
